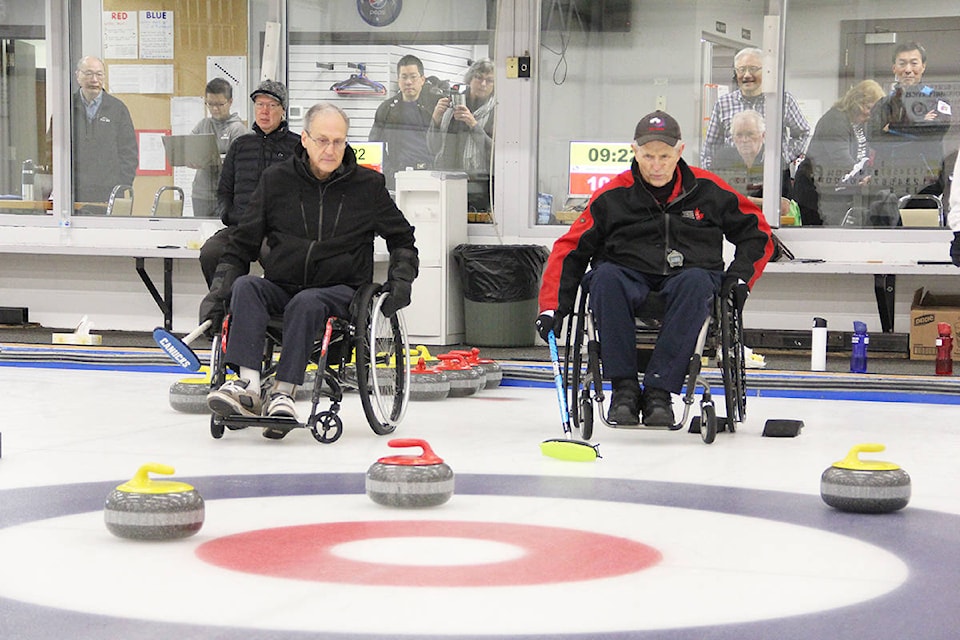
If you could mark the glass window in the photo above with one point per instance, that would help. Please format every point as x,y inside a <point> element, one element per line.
<point>417,84</point>
<point>24,160</point>
<point>882,90</point>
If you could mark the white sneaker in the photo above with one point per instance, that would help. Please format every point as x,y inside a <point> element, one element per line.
<point>280,406</point>
<point>233,398</point>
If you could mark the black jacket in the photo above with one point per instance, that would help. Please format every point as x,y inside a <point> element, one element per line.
<point>320,233</point>
<point>624,224</point>
<point>388,128</point>
<point>247,158</point>
<point>104,151</point>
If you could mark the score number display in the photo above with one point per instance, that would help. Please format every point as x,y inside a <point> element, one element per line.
<point>594,164</point>
<point>369,154</point>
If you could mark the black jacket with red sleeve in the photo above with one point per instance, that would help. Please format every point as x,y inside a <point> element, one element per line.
<point>624,224</point>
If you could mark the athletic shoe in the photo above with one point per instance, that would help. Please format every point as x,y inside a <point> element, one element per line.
<point>657,407</point>
<point>233,398</point>
<point>280,406</point>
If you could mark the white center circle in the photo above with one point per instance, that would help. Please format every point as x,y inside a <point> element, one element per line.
<point>427,551</point>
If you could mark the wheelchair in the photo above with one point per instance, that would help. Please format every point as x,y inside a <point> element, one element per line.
<point>366,352</point>
<point>720,337</point>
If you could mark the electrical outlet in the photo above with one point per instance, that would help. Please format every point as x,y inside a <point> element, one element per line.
<point>513,66</point>
<point>523,70</point>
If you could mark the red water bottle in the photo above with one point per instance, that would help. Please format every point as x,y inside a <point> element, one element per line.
<point>944,350</point>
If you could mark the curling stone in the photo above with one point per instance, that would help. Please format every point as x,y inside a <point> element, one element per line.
<point>865,486</point>
<point>145,509</point>
<point>428,383</point>
<point>189,395</point>
<point>464,379</point>
<point>421,351</point>
<point>410,481</point>
<point>491,367</point>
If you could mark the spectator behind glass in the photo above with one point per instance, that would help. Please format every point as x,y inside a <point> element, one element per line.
<point>748,74</point>
<point>462,134</point>
<point>838,159</point>
<point>104,142</point>
<point>401,122</point>
<point>907,126</point>
<point>271,141</point>
<point>226,126</point>
<point>742,164</point>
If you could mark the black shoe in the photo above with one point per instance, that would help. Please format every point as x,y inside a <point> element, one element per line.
<point>657,407</point>
<point>625,406</point>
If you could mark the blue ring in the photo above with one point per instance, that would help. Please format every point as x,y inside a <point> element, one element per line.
<point>923,608</point>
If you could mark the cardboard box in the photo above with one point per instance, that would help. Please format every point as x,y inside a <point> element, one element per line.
<point>926,312</point>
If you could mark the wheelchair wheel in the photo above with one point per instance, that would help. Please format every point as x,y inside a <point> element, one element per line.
<point>218,375</point>
<point>733,364</point>
<point>383,369</point>
<point>708,423</point>
<point>326,427</point>
<point>581,375</point>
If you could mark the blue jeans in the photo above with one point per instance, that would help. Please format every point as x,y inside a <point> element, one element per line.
<point>254,299</point>
<point>618,293</point>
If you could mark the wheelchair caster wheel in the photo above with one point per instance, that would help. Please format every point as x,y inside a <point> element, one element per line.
<point>216,427</point>
<point>327,428</point>
<point>708,423</point>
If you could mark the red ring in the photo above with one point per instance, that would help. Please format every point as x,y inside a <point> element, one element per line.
<point>551,554</point>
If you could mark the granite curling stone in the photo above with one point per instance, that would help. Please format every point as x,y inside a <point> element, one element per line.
<point>428,383</point>
<point>464,379</point>
<point>145,509</point>
<point>492,369</point>
<point>410,481</point>
<point>865,486</point>
<point>189,395</point>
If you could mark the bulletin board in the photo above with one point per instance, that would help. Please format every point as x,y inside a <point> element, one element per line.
<point>200,29</point>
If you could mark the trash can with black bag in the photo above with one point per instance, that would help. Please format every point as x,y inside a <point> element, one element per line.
<point>500,286</point>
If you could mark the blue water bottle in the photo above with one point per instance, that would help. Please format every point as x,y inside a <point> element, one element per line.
<point>858,356</point>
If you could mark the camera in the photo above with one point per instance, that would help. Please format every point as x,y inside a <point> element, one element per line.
<point>458,94</point>
<point>445,89</point>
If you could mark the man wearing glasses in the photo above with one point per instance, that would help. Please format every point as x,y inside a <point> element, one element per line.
<point>226,126</point>
<point>104,142</point>
<point>319,211</point>
<point>748,73</point>
<point>401,122</point>
<point>271,141</point>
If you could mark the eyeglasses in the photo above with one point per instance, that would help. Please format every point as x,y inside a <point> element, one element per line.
<point>323,142</point>
<point>266,105</point>
<point>752,70</point>
<point>87,73</point>
<point>484,79</point>
<point>410,77</point>
<point>216,105</point>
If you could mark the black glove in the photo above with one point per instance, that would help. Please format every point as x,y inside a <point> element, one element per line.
<point>735,290</point>
<point>398,296</point>
<point>955,248</point>
<point>214,305</point>
<point>549,321</point>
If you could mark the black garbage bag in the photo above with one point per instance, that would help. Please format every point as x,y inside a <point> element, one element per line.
<point>500,272</point>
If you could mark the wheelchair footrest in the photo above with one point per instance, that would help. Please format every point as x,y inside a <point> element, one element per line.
<point>644,427</point>
<point>277,424</point>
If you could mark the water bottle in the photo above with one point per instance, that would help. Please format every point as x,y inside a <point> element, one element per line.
<point>818,345</point>
<point>858,356</point>
<point>944,349</point>
<point>28,171</point>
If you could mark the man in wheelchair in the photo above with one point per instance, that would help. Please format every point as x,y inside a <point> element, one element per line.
<point>658,227</point>
<point>318,211</point>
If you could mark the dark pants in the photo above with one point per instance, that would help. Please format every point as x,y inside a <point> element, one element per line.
<point>254,299</point>
<point>618,293</point>
<point>211,252</point>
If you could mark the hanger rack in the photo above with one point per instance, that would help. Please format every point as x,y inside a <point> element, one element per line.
<point>358,84</point>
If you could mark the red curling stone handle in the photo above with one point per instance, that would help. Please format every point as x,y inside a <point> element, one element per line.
<point>425,457</point>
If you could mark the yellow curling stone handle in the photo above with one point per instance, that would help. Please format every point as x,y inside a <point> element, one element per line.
<point>853,461</point>
<point>141,482</point>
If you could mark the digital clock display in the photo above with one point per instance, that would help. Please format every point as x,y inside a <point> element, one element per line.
<point>594,164</point>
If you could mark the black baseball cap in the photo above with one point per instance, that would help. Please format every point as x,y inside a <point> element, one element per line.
<point>658,125</point>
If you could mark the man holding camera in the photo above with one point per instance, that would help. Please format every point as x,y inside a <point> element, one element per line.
<point>401,122</point>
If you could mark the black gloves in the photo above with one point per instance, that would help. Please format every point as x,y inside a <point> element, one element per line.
<point>735,290</point>
<point>214,305</point>
<point>955,248</point>
<point>404,266</point>
<point>398,298</point>
<point>547,321</point>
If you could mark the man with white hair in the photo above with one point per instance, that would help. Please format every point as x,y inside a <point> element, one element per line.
<point>748,74</point>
